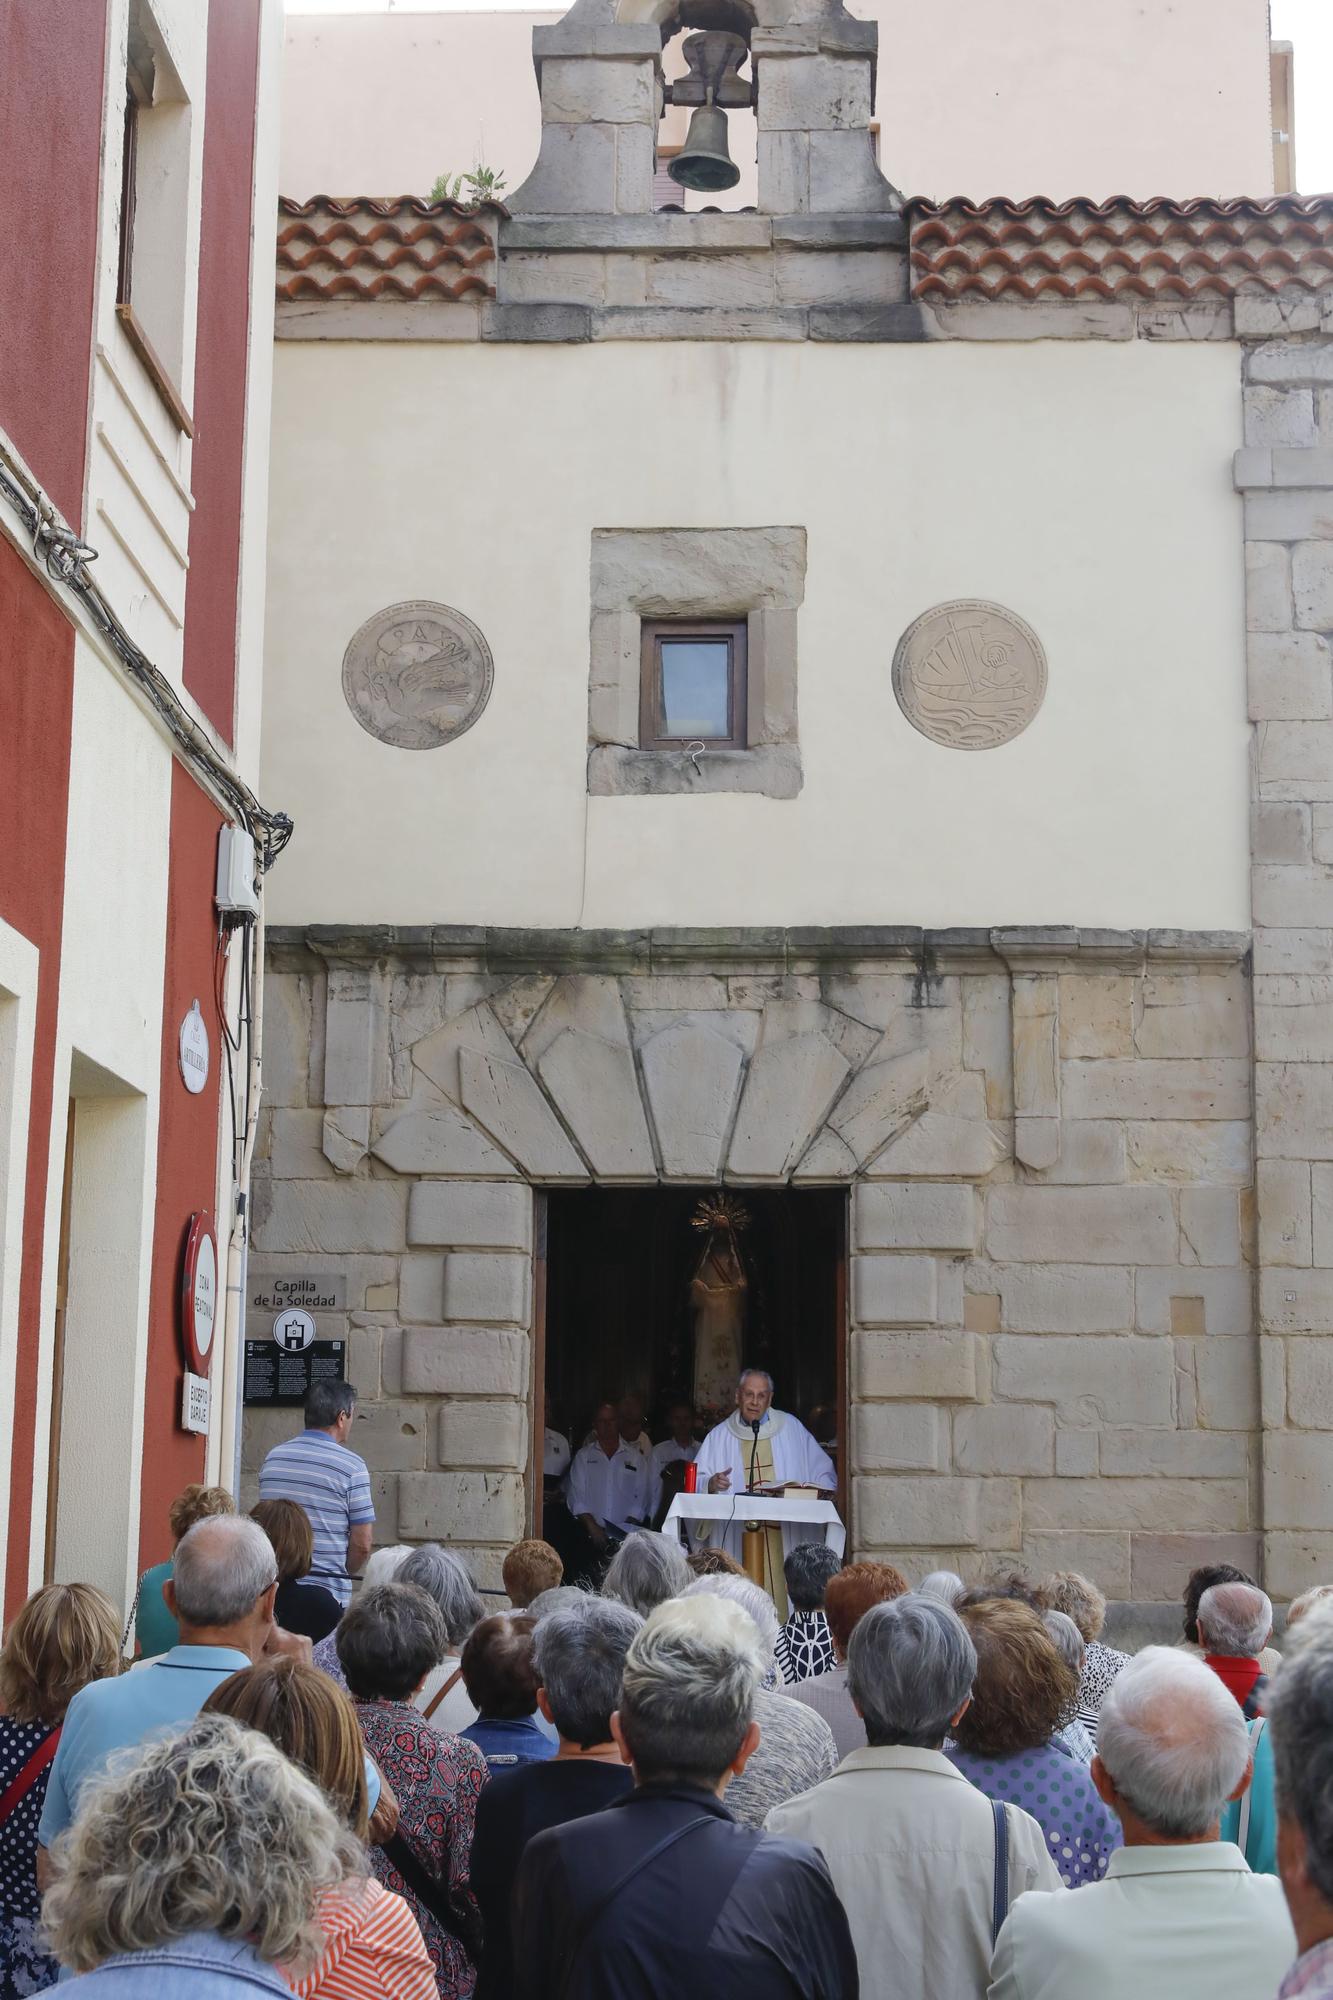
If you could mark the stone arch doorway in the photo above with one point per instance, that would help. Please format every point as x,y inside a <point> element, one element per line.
<point>615,1309</point>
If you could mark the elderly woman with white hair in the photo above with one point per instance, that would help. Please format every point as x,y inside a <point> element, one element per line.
<point>1079,1598</point>
<point>382,1566</point>
<point>1235,1621</point>
<point>645,1571</point>
<point>796,1747</point>
<point>945,1585</point>
<point>1068,1642</point>
<point>198,1870</point>
<point>442,1698</point>
<point>913,1847</point>
<point>1179,1913</point>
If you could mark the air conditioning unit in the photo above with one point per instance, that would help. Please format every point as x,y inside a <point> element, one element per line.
<point>237,892</point>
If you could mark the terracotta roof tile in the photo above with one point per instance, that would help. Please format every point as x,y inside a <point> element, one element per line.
<point>1157,249</point>
<point>398,248</point>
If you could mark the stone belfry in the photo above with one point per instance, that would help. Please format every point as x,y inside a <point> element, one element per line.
<point>811,82</point>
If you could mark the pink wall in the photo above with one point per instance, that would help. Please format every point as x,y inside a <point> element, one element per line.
<point>220,359</point>
<point>51,69</point>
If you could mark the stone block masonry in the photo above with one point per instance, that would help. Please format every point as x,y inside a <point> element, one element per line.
<point>1046,1144</point>
<point>1286,478</point>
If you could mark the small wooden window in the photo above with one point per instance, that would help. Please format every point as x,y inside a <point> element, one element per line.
<point>692,688</point>
<point>138,97</point>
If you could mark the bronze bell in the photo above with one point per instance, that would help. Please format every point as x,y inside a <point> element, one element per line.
<point>703,162</point>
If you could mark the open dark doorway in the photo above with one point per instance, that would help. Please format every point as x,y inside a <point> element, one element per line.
<point>617,1312</point>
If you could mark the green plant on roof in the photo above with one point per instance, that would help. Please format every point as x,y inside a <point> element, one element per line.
<point>481,184</point>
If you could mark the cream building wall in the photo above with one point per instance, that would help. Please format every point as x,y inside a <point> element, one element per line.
<point>108,1060</point>
<point>1054,1028</point>
<point>1038,97</point>
<point>473,475</point>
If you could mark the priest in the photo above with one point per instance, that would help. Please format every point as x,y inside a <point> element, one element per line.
<point>758,1446</point>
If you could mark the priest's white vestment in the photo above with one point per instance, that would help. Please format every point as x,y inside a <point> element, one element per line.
<point>787,1454</point>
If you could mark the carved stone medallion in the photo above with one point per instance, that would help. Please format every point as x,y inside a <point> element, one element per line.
<point>417,675</point>
<point>969,674</point>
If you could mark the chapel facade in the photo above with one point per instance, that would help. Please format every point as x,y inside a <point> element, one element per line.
<point>928,845</point>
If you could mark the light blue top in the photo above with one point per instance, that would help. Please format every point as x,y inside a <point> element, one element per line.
<point>203,1965</point>
<point>154,1627</point>
<point>333,1486</point>
<point>107,1716</point>
<point>1261,1841</point>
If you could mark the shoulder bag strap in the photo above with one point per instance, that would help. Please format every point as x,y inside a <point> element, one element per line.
<point>588,1921</point>
<point>1243,1828</point>
<point>18,1788</point>
<point>440,1692</point>
<point>430,1893</point>
<point>1000,1895</point>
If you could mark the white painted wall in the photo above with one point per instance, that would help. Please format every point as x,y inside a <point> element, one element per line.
<point>108,1051</point>
<point>1085,485</point>
<point>1035,97</point>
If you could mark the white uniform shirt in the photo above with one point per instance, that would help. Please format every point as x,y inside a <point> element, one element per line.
<point>643,1444</point>
<point>616,1491</point>
<point>555,1455</point>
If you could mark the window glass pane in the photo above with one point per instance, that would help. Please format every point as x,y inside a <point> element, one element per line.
<point>696,689</point>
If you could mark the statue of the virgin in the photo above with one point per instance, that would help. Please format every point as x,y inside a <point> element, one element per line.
<point>718,1296</point>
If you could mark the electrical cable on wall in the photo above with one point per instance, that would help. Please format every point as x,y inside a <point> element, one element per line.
<point>66,557</point>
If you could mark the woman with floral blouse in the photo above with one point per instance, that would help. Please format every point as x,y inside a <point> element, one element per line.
<point>387,1643</point>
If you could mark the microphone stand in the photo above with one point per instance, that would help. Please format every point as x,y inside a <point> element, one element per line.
<point>752,1541</point>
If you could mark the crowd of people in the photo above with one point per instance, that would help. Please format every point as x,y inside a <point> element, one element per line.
<point>935,1792</point>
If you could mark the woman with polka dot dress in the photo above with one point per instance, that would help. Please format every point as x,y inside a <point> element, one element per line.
<point>1007,1743</point>
<point>66,1635</point>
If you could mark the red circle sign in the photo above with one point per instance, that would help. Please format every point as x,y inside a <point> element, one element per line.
<point>199,1294</point>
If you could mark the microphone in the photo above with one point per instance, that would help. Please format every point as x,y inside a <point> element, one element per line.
<point>756,1424</point>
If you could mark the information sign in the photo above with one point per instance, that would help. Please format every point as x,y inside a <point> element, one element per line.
<point>195,1399</point>
<point>277,1379</point>
<point>193,1048</point>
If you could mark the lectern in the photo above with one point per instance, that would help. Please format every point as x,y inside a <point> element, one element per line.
<point>736,1510</point>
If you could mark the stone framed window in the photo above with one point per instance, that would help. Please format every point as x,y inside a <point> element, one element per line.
<point>650,584</point>
<point>692,688</point>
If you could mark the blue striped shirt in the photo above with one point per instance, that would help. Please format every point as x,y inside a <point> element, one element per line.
<point>333,1486</point>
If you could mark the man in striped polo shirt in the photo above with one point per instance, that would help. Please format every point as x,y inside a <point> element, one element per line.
<point>330,1482</point>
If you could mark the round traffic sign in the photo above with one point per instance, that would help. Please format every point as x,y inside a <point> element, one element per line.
<point>199,1293</point>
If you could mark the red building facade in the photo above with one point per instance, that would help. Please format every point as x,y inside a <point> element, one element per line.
<point>133,441</point>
